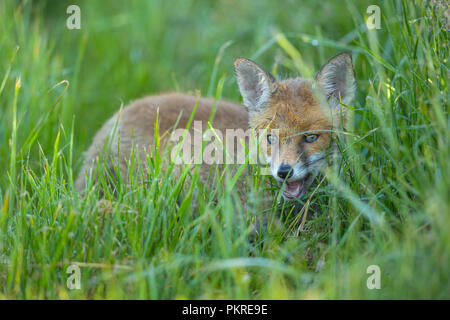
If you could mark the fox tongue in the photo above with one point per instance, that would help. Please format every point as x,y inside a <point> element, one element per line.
<point>293,189</point>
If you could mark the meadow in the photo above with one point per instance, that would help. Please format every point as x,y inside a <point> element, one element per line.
<point>386,203</point>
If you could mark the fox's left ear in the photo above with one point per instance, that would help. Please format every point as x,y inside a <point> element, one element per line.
<point>337,79</point>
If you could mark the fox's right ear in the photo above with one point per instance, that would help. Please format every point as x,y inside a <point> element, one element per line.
<point>255,84</point>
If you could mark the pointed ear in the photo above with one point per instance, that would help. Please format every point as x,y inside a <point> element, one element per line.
<point>256,84</point>
<point>337,79</point>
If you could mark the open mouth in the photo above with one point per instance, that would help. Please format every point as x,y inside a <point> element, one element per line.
<point>295,189</point>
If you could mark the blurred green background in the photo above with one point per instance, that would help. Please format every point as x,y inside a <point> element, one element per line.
<point>390,206</point>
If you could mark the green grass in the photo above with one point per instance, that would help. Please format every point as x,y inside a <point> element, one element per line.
<point>389,207</point>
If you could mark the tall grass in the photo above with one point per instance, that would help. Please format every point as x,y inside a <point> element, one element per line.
<point>386,203</point>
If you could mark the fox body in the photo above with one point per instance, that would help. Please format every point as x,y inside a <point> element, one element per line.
<point>132,129</point>
<point>299,117</point>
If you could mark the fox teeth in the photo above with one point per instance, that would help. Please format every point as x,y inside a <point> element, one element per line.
<point>293,189</point>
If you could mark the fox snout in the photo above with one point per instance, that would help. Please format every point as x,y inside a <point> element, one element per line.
<point>296,177</point>
<point>295,160</point>
<point>298,171</point>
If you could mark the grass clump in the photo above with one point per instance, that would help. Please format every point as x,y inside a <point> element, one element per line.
<point>389,206</point>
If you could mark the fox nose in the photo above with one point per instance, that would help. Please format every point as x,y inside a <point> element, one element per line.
<point>285,171</point>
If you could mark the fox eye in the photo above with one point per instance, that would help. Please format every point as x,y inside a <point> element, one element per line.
<point>310,138</point>
<point>271,139</point>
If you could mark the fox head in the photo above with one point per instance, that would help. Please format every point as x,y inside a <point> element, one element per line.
<point>299,116</point>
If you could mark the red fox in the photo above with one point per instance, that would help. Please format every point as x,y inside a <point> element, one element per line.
<point>299,117</point>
